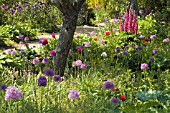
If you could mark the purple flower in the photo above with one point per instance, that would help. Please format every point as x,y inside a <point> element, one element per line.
<point>20,7</point>
<point>53,53</point>
<point>20,36</point>
<point>8,51</point>
<point>26,38</point>
<point>141,12</point>
<point>12,11</point>
<point>154,52</point>
<point>73,95</point>
<point>3,87</point>
<point>144,66</point>
<point>83,66</point>
<point>22,52</point>
<point>45,60</point>
<point>117,50</point>
<point>125,53</point>
<point>114,30</point>
<point>57,78</point>
<point>78,63</point>
<point>12,93</point>
<point>151,59</point>
<point>86,44</point>
<point>13,52</point>
<point>42,81</point>
<point>3,6</point>
<point>108,85</point>
<point>49,72</point>
<point>35,61</point>
<point>139,48</point>
<point>166,40</point>
<point>78,36</point>
<point>141,36</point>
<point>91,33</point>
<point>114,101</point>
<point>152,36</point>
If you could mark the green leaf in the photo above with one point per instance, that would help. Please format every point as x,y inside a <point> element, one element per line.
<point>9,60</point>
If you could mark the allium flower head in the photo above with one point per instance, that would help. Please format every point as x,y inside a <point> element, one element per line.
<point>53,53</point>
<point>12,93</point>
<point>42,81</point>
<point>125,53</point>
<point>49,72</point>
<point>166,40</point>
<point>12,12</point>
<point>108,85</point>
<point>26,39</point>
<point>152,36</point>
<point>91,33</point>
<point>73,95</point>
<point>114,101</point>
<point>86,44</point>
<point>117,50</point>
<point>78,63</point>
<point>3,87</point>
<point>151,59</point>
<point>13,52</point>
<point>57,78</point>
<point>154,52</point>
<point>144,66</point>
<point>35,61</point>
<point>21,37</point>
<point>141,12</point>
<point>104,54</point>
<point>45,60</point>
<point>142,36</point>
<point>83,66</point>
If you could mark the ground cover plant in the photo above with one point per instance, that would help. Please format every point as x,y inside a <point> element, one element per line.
<point>121,67</point>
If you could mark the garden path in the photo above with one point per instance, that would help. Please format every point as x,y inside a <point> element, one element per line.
<point>79,30</point>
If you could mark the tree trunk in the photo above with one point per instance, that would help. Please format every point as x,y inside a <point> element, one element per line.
<point>64,42</point>
<point>70,10</point>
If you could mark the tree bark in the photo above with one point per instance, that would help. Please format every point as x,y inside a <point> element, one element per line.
<point>70,10</point>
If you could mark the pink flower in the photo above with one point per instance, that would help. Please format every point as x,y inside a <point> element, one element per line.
<point>130,21</point>
<point>92,33</point>
<point>13,52</point>
<point>12,93</point>
<point>78,36</point>
<point>166,40</point>
<point>83,66</point>
<point>152,36</point>
<point>86,44</point>
<point>144,66</point>
<point>73,95</point>
<point>35,61</point>
<point>78,63</point>
<point>121,26</point>
<point>44,41</point>
<point>53,53</point>
<point>95,38</point>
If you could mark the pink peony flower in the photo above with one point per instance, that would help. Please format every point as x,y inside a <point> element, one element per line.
<point>144,66</point>
<point>83,66</point>
<point>78,63</point>
<point>53,53</point>
<point>166,40</point>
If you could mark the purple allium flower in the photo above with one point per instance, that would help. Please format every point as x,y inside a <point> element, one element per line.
<point>35,61</point>
<point>12,11</point>
<point>12,93</point>
<point>3,6</point>
<point>154,52</point>
<point>42,81</point>
<point>26,39</point>
<point>106,20</point>
<point>20,7</point>
<point>108,85</point>
<point>125,53</point>
<point>142,36</point>
<point>114,101</point>
<point>144,66</point>
<point>139,48</point>
<point>151,59</point>
<point>78,63</point>
<point>117,50</point>
<point>13,52</point>
<point>141,12</point>
<point>166,40</point>
<point>8,51</point>
<point>3,87</point>
<point>22,52</point>
<point>86,44</point>
<point>114,30</point>
<point>73,95</point>
<point>45,60</point>
<point>40,41</point>
<point>53,53</point>
<point>152,36</point>
<point>49,72</point>
<point>91,33</point>
<point>57,78</point>
<point>83,66</point>
<point>20,36</point>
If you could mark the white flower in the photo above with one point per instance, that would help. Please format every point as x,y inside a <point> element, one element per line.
<point>104,54</point>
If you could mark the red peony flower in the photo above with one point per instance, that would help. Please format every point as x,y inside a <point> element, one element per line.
<point>95,38</point>
<point>53,35</point>
<point>123,98</point>
<point>146,39</point>
<point>107,33</point>
<point>44,41</point>
<point>115,90</point>
<point>80,50</point>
